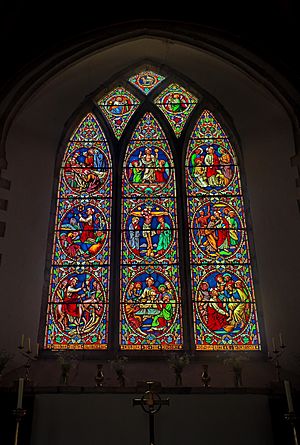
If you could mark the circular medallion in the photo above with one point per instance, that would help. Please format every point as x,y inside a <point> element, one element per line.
<point>150,304</point>
<point>148,169</point>
<point>118,105</point>
<point>78,304</point>
<point>175,103</point>
<point>146,80</point>
<point>216,230</point>
<point>149,231</point>
<point>86,170</point>
<point>82,232</point>
<point>211,167</point>
<point>223,303</point>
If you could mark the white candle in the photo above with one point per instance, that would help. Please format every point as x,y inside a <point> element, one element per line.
<point>22,341</point>
<point>288,394</point>
<point>281,340</point>
<point>29,345</point>
<point>273,344</point>
<point>20,392</point>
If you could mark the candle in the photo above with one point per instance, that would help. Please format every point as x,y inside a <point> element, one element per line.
<point>281,340</point>
<point>22,341</point>
<point>274,345</point>
<point>288,394</point>
<point>29,345</point>
<point>20,393</point>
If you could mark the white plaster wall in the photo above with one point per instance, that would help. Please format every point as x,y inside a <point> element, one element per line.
<point>267,144</point>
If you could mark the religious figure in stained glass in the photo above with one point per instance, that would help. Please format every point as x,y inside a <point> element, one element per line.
<point>222,285</point>
<point>150,285</point>
<point>148,168</point>
<point>86,169</point>
<point>217,230</point>
<point>230,298</point>
<point>118,106</point>
<point>224,308</point>
<point>212,167</point>
<point>149,306</point>
<point>82,231</point>
<point>78,309</point>
<point>149,231</point>
<point>79,277</point>
<point>176,103</point>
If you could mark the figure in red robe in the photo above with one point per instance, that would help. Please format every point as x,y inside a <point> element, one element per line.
<point>212,162</point>
<point>223,237</point>
<point>88,225</point>
<point>89,160</point>
<point>160,172</point>
<point>71,298</point>
<point>216,312</point>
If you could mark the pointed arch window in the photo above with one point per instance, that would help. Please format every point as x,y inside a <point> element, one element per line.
<point>147,117</point>
<point>224,306</point>
<point>79,275</point>
<point>150,307</point>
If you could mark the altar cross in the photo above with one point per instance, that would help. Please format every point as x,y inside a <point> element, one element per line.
<point>151,402</point>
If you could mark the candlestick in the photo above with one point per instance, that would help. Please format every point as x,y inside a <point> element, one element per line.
<point>29,346</point>
<point>292,419</point>
<point>19,413</point>
<point>27,353</point>
<point>27,367</point>
<point>20,392</point>
<point>276,354</point>
<point>281,344</point>
<point>22,341</point>
<point>37,350</point>
<point>288,394</point>
<point>274,344</point>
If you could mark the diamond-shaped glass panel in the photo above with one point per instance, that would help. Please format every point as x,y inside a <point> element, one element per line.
<point>118,106</point>
<point>146,81</point>
<point>177,104</point>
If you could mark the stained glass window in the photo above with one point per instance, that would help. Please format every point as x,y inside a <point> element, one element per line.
<point>79,278</point>
<point>150,301</point>
<point>146,81</point>
<point>118,106</point>
<point>222,285</point>
<point>177,104</point>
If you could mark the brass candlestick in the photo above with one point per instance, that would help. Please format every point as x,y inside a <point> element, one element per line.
<point>275,356</point>
<point>27,366</point>
<point>205,377</point>
<point>29,357</point>
<point>291,418</point>
<point>19,413</point>
<point>99,376</point>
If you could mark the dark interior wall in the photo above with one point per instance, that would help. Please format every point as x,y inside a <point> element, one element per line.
<point>208,419</point>
<point>267,143</point>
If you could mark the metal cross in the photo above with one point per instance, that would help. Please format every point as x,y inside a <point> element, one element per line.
<point>151,402</point>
